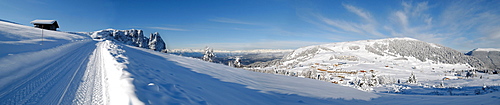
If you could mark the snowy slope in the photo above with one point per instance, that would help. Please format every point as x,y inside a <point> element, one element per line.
<point>192,81</point>
<point>386,56</point>
<point>82,71</point>
<point>371,64</point>
<point>31,73</point>
<point>72,69</point>
<point>392,48</point>
<point>490,56</point>
<point>18,38</point>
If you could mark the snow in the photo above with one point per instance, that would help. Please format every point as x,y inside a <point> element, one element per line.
<point>73,69</point>
<point>43,21</point>
<point>348,63</point>
<point>487,49</point>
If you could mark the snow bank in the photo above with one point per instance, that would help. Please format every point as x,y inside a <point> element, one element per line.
<point>119,82</point>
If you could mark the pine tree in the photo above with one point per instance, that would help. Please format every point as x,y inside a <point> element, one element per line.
<point>412,78</point>
<point>237,62</point>
<point>208,55</point>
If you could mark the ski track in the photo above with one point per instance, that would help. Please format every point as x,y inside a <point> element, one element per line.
<point>92,89</point>
<point>51,83</point>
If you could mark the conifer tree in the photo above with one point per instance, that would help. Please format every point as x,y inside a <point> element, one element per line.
<point>208,55</point>
<point>412,78</point>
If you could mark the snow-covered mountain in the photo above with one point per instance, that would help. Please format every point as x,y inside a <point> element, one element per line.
<point>388,49</point>
<point>131,37</point>
<point>490,57</point>
<point>376,63</point>
<point>68,68</point>
<point>156,43</point>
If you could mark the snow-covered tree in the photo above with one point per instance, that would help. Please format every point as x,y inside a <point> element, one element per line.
<point>237,62</point>
<point>230,64</point>
<point>363,83</point>
<point>412,78</point>
<point>208,55</point>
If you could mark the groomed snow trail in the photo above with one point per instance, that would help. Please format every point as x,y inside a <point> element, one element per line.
<point>104,81</point>
<point>92,90</point>
<point>45,80</point>
<point>82,72</point>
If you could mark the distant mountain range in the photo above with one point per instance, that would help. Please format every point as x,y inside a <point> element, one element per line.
<point>490,57</point>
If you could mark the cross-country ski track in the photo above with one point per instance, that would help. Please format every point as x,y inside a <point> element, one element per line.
<point>42,85</point>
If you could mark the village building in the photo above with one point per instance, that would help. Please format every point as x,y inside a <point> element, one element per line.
<point>45,24</point>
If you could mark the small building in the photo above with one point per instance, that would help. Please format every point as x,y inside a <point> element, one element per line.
<point>45,24</point>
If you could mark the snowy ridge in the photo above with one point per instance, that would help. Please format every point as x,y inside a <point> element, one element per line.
<point>131,37</point>
<point>389,48</point>
<point>487,49</point>
<point>372,63</point>
<point>156,43</point>
<point>490,57</point>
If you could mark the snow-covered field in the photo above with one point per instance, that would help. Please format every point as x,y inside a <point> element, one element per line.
<point>74,69</point>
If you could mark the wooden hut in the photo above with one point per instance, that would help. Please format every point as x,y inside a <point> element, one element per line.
<point>45,24</point>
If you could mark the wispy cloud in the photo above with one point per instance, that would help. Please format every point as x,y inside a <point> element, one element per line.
<point>413,21</point>
<point>232,21</point>
<point>474,20</point>
<point>168,28</point>
<point>458,24</point>
<point>365,27</point>
<point>361,13</point>
<point>463,25</point>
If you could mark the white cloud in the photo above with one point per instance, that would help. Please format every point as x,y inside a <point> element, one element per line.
<point>367,26</point>
<point>414,21</point>
<point>402,18</point>
<point>168,28</point>
<point>361,13</point>
<point>458,24</point>
<point>232,21</point>
<point>346,26</point>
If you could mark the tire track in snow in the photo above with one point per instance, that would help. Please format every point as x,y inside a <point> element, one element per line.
<point>71,81</point>
<point>50,82</point>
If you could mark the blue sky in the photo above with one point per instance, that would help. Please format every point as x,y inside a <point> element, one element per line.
<point>274,24</point>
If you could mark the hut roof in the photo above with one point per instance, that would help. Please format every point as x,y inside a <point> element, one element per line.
<point>43,21</point>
